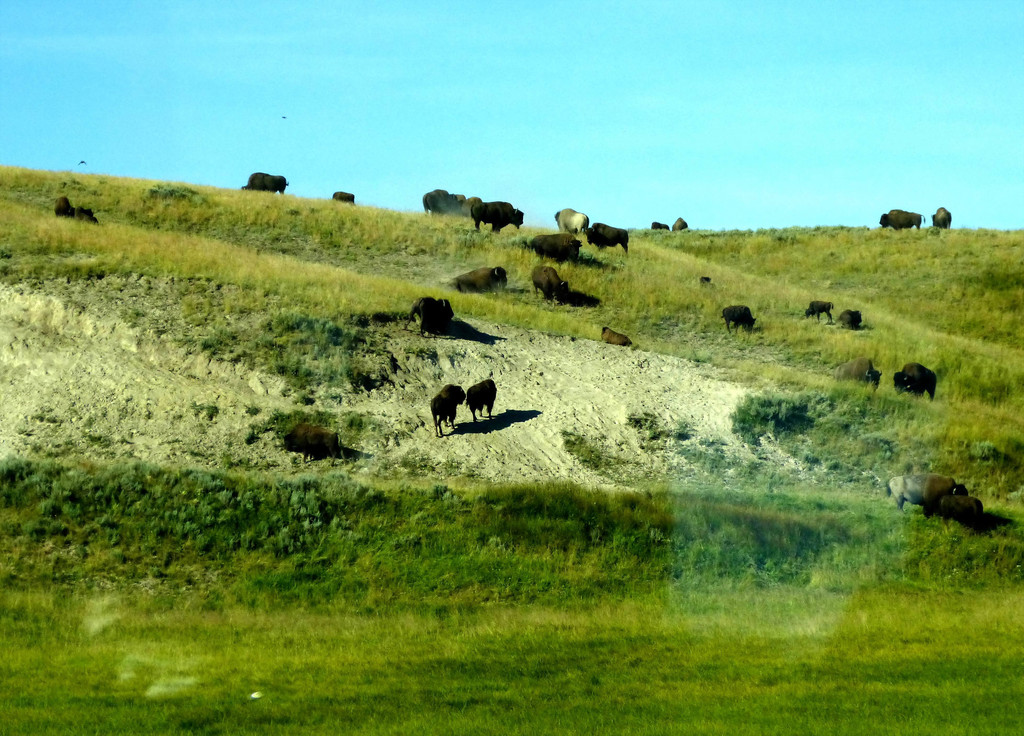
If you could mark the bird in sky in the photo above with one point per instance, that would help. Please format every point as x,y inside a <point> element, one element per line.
<point>81,162</point>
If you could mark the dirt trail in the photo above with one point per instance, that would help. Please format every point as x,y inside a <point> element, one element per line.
<point>81,382</point>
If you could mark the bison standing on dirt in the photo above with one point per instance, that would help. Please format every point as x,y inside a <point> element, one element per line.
<point>497,215</point>
<point>571,221</point>
<point>817,309</point>
<point>900,220</point>
<point>858,369</point>
<point>915,379</point>
<point>738,314</point>
<point>547,281</point>
<point>942,218</point>
<point>559,246</point>
<point>62,208</point>
<point>444,405</point>
<point>612,337</point>
<point>481,395</point>
<point>260,182</point>
<point>434,314</point>
<point>482,279</point>
<point>925,490</point>
<point>604,236</point>
<point>313,442</point>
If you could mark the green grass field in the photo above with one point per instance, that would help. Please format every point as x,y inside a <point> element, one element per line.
<point>735,598</point>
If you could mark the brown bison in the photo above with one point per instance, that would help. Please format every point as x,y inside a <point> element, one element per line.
<point>925,490</point>
<point>915,379</point>
<point>62,208</point>
<point>604,236</point>
<point>942,218</point>
<point>858,369</point>
<point>434,314</point>
<point>82,213</point>
<point>559,246</point>
<point>444,405</point>
<point>901,220</point>
<point>440,202</point>
<point>850,319</point>
<point>344,197</point>
<point>965,509</point>
<point>547,281</point>
<point>738,314</point>
<point>313,442</point>
<point>481,395</point>
<point>614,338</point>
<point>679,225</point>
<point>659,226</point>
<point>571,221</point>
<point>819,308</point>
<point>260,182</point>
<point>497,215</point>
<point>482,279</point>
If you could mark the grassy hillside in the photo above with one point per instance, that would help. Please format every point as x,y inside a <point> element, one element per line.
<point>767,591</point>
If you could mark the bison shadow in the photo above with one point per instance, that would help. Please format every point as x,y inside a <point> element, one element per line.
<point>579,299</point>
<point>497,422</point>
<point>349,455</point>
<point>464,331</point>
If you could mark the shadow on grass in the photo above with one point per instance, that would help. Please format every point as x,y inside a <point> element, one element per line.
<point>579,299</point>
<point>496,423</point>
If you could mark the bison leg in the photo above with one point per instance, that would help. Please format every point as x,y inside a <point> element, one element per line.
<point>829,318</point>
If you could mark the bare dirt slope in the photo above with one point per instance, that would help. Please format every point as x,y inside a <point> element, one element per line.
<point>81,382</point>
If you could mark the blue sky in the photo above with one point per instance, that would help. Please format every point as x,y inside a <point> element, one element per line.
<point>729,114</point>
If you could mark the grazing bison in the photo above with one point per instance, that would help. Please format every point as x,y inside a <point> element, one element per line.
<point>440,202</point>
<point>819,308</point>
<point>313,442</point>
<point>260,182</point>
<point>481,395</point>
<point>942,218</point>
<point>444,405</point>
<point>738,314</point>
<point>850,319</point>
<point>344,197</point>
<point>858,369</point>
<point>659,226</point>
<point>901,220</point>
<point>559,246</point>
<point>925,490</point>
<point>496,214</point>
<point>82,213</point>
<point>614,338</point>
<point>965,509</point>
<point>916,379</point>
<point>604,236</point>
<point>62,208</point>
<point>482,279</point>
<point>679,225</point>
<point>571,221</point>
<point>548,283</point>
<point>434,314</point>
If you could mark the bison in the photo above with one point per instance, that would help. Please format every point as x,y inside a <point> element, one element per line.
<point>612,337</point>
<point>679,225</point>
<point>467,207</point>
<point>440,202</point>
<point>942,218</point>
<point>925,490</point>
<point>705,281</point>
<point>858,369</point>
<point>434,314</point>
<point>819,308</point>
<point>497,215</point>
<point>571,221</point>
<point>444,405</point>
<point>850,319</point>
<point>344,197</point>
<point>658,225</point>
<point>547,282</point>
<point>83,213</point>
<point>559,246</point>
<point>965,509</point>
<point>260,182</point>
<point>604,236</point>
<point>62,208</point>
<point>738,314</point>
<point>481,395</point>
<point>901,220</point>
<point>481,279</point>
<point>916,379</point>
<point>313,442</point>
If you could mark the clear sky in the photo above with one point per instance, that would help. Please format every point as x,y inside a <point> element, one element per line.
<point>730,114</point>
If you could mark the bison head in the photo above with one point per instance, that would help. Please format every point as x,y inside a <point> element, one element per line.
<point>517,218</point>
<point>873,376</point>
<point>499,276</point>
<point>884,222</point>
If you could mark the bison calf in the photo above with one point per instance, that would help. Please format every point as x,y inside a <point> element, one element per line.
<point>612,337</point>
<point>480,395</point>
<point>444,405</point>
<point>738,314</point>
<point>819,308</point>
<point>313,442</point>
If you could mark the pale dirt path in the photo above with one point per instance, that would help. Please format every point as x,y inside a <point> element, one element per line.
<point>82,383</point>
